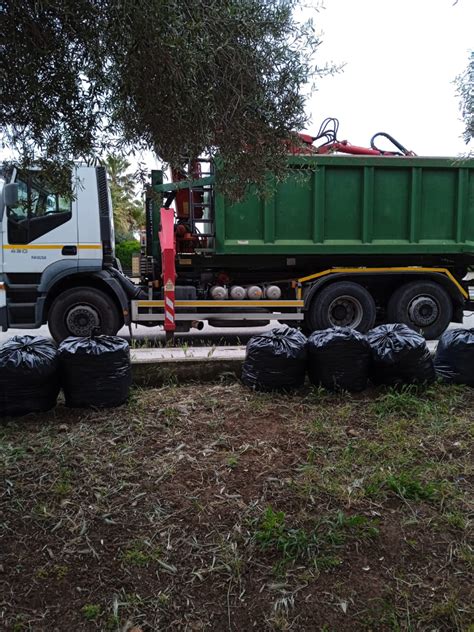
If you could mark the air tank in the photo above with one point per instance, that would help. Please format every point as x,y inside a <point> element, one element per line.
<point>273,292</point>
<point>237,293</point>
<point>254,292</point>
<point>218,292</point>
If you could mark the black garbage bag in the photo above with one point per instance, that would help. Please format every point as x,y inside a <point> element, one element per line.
<point>454,361</point>
<point>95,371</point>
<point>399,356</point>
<point>29,377</point>
<point>339,359</point>
<point>276,360</point>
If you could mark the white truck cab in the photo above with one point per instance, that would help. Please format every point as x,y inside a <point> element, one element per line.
<point>57,255</point>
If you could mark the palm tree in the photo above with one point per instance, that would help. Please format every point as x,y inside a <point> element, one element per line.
<point>128,211</point>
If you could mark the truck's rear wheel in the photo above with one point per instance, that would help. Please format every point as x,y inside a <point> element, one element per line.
<point>342,304</point>
<point>78,311</point>
<point>422,305</point>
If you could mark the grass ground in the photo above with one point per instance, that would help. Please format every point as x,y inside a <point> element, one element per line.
<point>209,507</point>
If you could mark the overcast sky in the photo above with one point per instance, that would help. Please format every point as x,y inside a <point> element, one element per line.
<point>401,57</point>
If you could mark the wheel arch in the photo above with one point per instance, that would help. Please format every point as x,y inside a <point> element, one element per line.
<point>96,280</point>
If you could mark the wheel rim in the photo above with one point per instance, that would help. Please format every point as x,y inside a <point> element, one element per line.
<point>423,310</point>
<point>345,311</point>
<point>81,320</point>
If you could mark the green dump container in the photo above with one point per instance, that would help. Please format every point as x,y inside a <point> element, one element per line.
<point>356,205</point>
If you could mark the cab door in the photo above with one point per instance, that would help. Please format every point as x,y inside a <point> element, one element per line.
<point>41,229</point>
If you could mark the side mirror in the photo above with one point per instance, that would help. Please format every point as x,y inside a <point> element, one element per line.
<point>10,194</point>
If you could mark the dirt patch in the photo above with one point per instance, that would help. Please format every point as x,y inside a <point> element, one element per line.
<point>209,507</point>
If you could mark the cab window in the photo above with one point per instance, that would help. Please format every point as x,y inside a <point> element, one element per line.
<point>38,211</point>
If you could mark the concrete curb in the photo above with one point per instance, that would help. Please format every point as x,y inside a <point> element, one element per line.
<point>154,367</point>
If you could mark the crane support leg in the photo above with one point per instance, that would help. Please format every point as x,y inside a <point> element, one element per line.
<point>168,258</point>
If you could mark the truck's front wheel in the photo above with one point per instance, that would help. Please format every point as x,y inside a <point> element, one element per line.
<point>79,311</point>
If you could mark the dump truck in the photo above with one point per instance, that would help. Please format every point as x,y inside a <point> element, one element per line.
<point>343,240</point>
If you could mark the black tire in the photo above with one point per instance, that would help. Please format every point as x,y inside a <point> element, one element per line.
<point>424,306</point>
<point>342,303</point>
<point>76,312</point>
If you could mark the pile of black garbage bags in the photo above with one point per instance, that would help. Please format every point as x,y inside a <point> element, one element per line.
<point>93,372</point>
<point>341,358</point>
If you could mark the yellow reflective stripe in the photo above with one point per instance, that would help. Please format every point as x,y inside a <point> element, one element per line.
<point>33,246</point>
<point>229,303</point>
<point>396,269</point>
<point>51,246</point>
